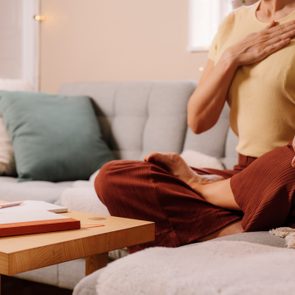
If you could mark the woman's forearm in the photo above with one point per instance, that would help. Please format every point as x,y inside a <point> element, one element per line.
<point>206,103</point>
<point>218,193</point>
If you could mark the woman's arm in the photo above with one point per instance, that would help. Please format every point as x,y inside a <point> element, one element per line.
<point>213,188</point>
<point>206,103</point>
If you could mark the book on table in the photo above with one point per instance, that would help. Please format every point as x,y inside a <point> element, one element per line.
<point>30,217</point>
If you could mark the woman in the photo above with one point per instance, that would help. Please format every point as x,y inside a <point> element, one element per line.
<point>250,66</point>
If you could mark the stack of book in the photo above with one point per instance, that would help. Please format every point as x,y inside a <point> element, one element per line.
<point>30,217</point>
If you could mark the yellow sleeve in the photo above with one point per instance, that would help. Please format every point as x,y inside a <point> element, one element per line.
<point>223,30</point>
<point>213,50</point>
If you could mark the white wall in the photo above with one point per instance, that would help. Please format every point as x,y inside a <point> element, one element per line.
<point>92,40</point>
<point>11,39</point>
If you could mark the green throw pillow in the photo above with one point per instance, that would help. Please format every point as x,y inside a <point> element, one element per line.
<point>55,138</point>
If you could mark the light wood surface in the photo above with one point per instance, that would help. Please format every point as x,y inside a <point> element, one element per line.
<point>95,262</point>
<point>97,235</point>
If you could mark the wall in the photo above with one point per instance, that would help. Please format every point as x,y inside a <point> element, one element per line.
<point>92,40</point>
<point>10,39</point>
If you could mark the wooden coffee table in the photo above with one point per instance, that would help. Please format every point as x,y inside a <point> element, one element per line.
<point>97,236</point>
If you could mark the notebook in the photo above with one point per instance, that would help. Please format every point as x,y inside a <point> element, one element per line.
<point>31,217</point>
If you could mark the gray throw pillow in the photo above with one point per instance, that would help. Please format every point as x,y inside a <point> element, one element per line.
<point>55,138</point>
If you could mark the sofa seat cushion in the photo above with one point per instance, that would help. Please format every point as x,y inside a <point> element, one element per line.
<point>82,197</point>
<point>259,237</point>
<point>12,190</point>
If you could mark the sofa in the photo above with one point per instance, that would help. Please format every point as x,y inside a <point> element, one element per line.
<point>135,118</point>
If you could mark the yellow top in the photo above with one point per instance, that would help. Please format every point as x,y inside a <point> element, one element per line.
<point>262,96</point>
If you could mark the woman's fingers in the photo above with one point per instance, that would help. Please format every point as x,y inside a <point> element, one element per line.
<point>258,46</point>
<point>277,28</point>
<point>275,32</point>
<point>269,49</point>
<point>293,163</point>
<point>284,36</point>
<point>282,32</point>
<point>272,24</point>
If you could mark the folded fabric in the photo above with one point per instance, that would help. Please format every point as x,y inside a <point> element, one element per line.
<point>55,138</point>
<point>287,233</point>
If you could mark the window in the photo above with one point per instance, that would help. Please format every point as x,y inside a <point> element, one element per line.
<point>19,41</point>
<point>205,16</point>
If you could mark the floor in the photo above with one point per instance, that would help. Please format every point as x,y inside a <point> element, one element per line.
<point>14,286</point>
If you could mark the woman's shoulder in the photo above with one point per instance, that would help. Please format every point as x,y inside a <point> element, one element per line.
<point>233,22</point>
<point>239,16</point>
<point>244,12</point>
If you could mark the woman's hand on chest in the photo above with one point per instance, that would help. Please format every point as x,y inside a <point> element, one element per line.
<point>259,45</point>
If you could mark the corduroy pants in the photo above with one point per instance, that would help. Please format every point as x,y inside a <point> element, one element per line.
<point>263,188</point>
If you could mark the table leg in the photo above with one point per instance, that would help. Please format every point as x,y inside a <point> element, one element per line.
<point>95,262</point>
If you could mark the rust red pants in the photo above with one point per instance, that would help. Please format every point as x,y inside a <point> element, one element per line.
<point>263,188</point>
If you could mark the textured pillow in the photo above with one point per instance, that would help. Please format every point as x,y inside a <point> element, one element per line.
<point>55,138</point>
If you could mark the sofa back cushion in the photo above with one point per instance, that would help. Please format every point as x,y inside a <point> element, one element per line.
<point>211,142</point>
<point>230,155</point>
<point>219,142</point>
<point>140,117</point>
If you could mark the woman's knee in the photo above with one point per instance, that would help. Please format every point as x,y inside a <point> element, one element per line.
<point>104,180</point>
<point>111,177</point>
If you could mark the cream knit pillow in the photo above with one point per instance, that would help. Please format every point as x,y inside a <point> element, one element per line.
<point>7,162</point>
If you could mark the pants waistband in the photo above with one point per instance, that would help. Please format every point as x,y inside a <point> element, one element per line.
<point>244,161</point>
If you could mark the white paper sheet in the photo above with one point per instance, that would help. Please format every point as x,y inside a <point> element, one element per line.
<point>30,211</point>
<point>15,214</point>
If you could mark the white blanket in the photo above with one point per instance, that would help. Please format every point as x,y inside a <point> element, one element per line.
<point>215,267</point>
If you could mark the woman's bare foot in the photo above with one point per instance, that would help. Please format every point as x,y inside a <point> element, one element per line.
<point>175,164</point>
<point>215,190</point>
